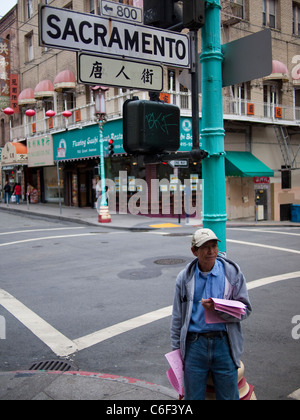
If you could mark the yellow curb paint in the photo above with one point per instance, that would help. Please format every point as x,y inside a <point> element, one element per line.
<point>164,225</point>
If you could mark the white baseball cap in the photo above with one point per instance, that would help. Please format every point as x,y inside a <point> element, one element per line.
<point>202,236</point>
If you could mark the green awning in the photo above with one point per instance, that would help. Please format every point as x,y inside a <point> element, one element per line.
<point>244,164</point>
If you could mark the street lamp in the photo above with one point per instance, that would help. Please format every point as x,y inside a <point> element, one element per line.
<point>100,111</point>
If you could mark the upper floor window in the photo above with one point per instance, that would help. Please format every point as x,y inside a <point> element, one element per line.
<point>296,19</point>
<point>69,6</point>
<point>29,55</point>
<point>269,13</point>
<point>29,8</point>
<point>297,103</point>
<point>93,6</point>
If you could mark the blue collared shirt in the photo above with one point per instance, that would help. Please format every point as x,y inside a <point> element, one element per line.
<point>211,285</point>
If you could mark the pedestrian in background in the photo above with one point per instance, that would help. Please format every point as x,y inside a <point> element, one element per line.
<point>7,191</point>
<point>17,192</point>
<point>205,348</point>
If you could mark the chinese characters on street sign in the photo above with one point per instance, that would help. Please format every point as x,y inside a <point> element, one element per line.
<point>96,70</point>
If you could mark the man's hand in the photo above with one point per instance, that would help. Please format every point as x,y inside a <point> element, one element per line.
<point>208,304</point>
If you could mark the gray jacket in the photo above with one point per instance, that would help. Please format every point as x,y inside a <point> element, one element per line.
<point>235,289</point>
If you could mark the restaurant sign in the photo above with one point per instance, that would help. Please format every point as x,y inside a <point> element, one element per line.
<point>40,151</point>
<point>84,143</point>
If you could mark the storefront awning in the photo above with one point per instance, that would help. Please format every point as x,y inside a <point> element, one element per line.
<point>14,154</point>
<point>64,80</point>
<point>244,164</point>
<point>44,89</point>
<point>279,72</point>
<point>26,97</point>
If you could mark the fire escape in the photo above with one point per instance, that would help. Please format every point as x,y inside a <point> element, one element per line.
<point>284,141</point>
<point>232,12</point>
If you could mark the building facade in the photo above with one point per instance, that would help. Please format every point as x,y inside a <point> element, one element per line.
<point>261,118</point>
<point>9,84</point>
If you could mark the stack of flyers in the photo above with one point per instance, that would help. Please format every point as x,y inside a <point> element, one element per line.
<point>233,308</point>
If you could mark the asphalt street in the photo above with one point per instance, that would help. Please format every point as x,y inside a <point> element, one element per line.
<point>102,298</point>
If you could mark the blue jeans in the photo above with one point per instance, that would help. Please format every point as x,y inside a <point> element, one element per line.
<point>204,355</point>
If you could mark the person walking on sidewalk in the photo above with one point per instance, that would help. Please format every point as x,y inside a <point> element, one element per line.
<point>205,348</point>
<point>7,191</point>
<point>17,191</point>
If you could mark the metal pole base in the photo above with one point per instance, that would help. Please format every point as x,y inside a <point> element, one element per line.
<point>104,216</point>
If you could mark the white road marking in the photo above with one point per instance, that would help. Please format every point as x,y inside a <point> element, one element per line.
<point>295,395</point>
<point>63,346</point>
<point>38,230</point>
<point>47,238</point>
<point>269,280</point>
<point>267,231</point>
<point>122,327</point>
<point>275,248</point>
<point>57,342</point>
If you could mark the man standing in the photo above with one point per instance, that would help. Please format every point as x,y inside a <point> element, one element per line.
<point>7,191</point>
<point>205,348</point>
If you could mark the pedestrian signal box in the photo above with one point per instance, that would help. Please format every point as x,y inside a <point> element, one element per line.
<point>150,127</point>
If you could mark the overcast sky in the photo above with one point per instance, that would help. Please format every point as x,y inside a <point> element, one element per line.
<point>6,5</point>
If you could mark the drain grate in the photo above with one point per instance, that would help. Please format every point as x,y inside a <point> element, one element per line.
<point>170,261</point>
<point>54,365</point>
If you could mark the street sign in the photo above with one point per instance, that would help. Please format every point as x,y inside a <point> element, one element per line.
<point>121,11</point>
<point>96,70</point>
<point>247,58</point>
<point>179,163</point>
<point>70,30</point>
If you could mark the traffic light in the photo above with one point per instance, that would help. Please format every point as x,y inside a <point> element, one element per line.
<point>111,148</point>
<point>162,13</point>
<point>193,14</point>
<point>150,127</point>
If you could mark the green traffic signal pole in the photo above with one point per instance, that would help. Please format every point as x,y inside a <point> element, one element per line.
<point>213,133</point>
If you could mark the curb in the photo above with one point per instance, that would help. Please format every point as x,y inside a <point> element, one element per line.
<point>77,385</point>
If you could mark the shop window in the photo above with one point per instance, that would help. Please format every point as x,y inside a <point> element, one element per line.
<point>51,185</point>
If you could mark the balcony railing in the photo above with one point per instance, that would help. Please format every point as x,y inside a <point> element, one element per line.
<point>233,109</point>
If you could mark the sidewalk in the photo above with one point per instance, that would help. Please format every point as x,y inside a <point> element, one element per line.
<point>42,385</point>
<point>88,216</point>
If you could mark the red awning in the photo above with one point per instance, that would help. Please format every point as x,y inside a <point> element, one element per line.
<point>26,97</point>
<point>21,149</point>
<point>279,72</point>
<point>65,80</point>
<point>44,89</point>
